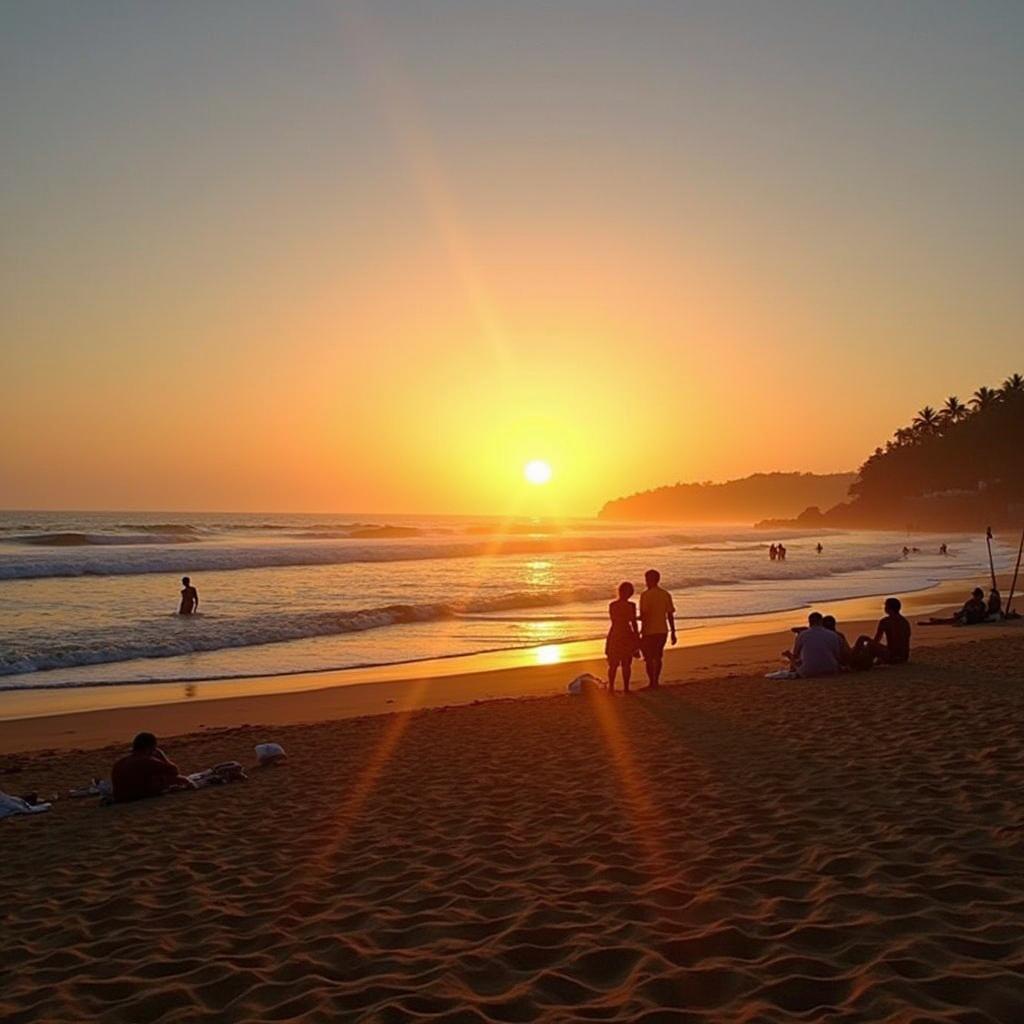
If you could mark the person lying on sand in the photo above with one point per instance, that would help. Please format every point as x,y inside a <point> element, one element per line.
<point>974,611</point>
<point>894,630</point>
<point>817,650</point>
<point>145,772</point>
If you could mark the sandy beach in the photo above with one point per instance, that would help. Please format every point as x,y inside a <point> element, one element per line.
<point>733,849</point>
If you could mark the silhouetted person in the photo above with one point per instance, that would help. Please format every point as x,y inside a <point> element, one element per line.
<point>995,605</point>
<point>773,552</point>
<point>189,598</point>
<point>657,619</point>
<point>973,611</point>
<point>145,772</point>
<point>943,550</point>
<point>906,551</point>
<point>782,552</point>
<point>894,630</point>
<point>845,651</point>
<point>817,650</point>
<point>623,642</point>
<point>819,548</point>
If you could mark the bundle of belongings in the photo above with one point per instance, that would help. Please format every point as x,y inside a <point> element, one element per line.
<point>11,805</point>
<point>586,684</point>
<point>219,775</point>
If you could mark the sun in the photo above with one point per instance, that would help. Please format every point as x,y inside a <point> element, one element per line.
<point>537,472</point>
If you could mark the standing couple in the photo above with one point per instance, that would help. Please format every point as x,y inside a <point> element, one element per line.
<point>627,641</point>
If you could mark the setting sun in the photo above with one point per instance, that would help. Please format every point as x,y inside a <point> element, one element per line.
<point>537,472</point>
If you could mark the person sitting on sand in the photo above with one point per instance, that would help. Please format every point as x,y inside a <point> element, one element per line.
<point>657,618</point>
<point>817,650</point>
<point>623,642</point>
<point>994,610</point>
<point>894,630</point>
<point>974,611</point>
<point>189,598</point>
<point>145,772</point>
<point>845,651</point>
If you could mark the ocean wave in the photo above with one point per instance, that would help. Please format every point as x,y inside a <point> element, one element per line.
<point>210,557</point>
<point>164,636</point>
<point>78,540</point>
<point>171,636</point>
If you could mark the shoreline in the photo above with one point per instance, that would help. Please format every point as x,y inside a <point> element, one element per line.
<point>738,648</point>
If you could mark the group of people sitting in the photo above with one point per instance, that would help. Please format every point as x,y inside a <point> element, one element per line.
<point>976,610</point>
<point>822,650</point>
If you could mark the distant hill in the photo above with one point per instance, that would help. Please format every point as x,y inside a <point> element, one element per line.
<point>752,497</point>
<point>959,467</point>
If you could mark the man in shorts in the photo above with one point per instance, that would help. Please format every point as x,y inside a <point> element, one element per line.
<point>657,622</point>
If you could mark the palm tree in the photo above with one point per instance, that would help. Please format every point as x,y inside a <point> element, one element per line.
<point>983,398</point>
<point>1013,385</point>
<point>903,437</point>
<point>927,421</point>
<point>954,410</point>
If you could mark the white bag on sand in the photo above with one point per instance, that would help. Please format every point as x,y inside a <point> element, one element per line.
<point>586,683</point>
<point>268,753</point>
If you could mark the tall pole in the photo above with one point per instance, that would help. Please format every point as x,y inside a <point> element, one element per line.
<point>991,564</point>
<point>1013,584</point>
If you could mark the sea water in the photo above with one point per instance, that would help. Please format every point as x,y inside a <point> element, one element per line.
<point>91,598</point>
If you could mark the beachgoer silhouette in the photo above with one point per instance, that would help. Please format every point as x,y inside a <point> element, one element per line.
<point>622,644</point>
<point>189,598</point>
<point>145,772</point>
<point>773,552</point>
<point>782,552</point>
<point>820,548</point>
<point>894,630</point>
<point>657,619</point>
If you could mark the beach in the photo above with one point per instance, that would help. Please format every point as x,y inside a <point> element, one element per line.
<point>731,849</point>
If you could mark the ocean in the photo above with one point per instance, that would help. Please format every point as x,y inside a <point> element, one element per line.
<point>90,599</point>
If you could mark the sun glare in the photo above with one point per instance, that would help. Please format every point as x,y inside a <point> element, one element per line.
<point>537,472</point>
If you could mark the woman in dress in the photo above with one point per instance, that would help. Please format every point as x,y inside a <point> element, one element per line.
<point>623,643</point>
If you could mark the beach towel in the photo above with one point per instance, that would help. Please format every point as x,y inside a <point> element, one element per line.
<point>585,684</point>
<point>12,805</point>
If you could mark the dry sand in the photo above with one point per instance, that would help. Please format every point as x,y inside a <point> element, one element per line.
<point>730,850</point>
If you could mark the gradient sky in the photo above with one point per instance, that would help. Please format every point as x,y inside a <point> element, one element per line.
<point>374,257</point>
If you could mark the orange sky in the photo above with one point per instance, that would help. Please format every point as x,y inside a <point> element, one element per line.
<point>376,263</point>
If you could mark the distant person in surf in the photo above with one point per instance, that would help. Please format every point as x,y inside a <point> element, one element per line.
<point>623,642</point>
<point>773,552</point>
<point>943,549</point>
<point>819,548</point>
<point>189,597</point>
<point>781,552</point>
<point>891,643</point>
<point>657,621</point>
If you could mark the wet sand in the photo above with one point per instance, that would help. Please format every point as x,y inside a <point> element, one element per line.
<point>730,850</point>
